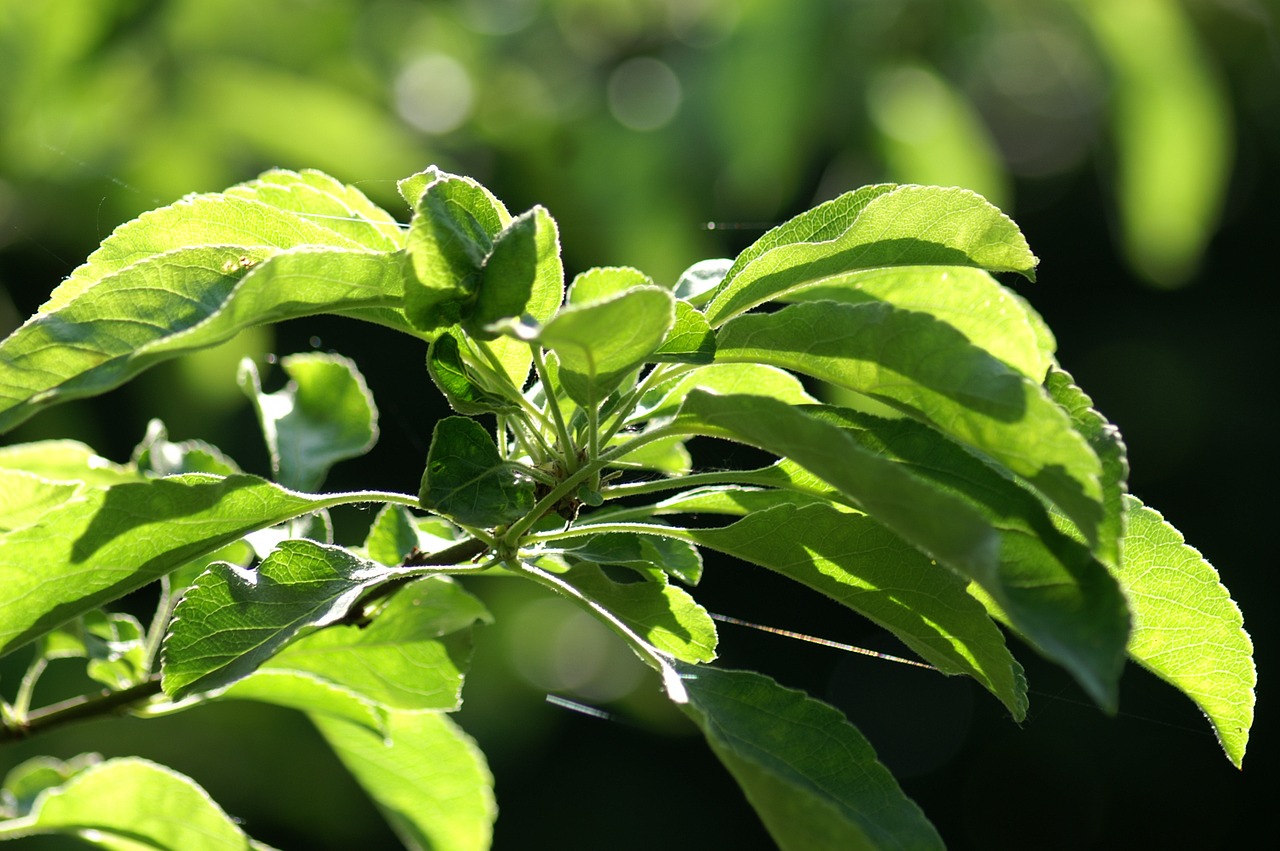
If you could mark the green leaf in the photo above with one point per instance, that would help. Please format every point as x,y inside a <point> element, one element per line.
<point>25,781</point>
<point>130,803</point>
<point>325,414</point>
<point>857,562</point>
<point>232,619</point>
<point>629,549</point>
<point>454,223</point>
<point>521,275</point>
<point>24,497</point>
<point>174,303</point>
<point>938,523</point>
<point>108,542</point>
<point>724,378</point>
<point>158,455</point>
<point>930,371</point>
<point>600,342</point>
<point>392,535</point>
<point>246,224</point>
<point>605,282</point>
<point>970,300</point>
<point>1186,628</point>
<point>1105,441</point>
<point>872,227</point>
<point>305,693</point>
<point>810,775</point>
<point>467,480</point>
<point>413,656</point>
<point>1049,586</point>
<point>426,776</point>
<point>65,461</point>
<point>698,283</point>
<point>690,339</point>
<point>464,390</point>
<point>322,200</point>
<point>663,615</point>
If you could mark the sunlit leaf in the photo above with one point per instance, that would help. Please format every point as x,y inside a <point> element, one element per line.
<point>108,542</point>
<point>130,803</point>
<point>1186,628</point>
<point>875,226</point>
<point>325,414</point>
<point>931,371</point>
<point>861,564</point>
<point>232,620</point>
<point>425,774</point>
<point>810,775</point>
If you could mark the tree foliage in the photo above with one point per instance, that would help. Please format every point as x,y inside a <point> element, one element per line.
<point>965,484</point>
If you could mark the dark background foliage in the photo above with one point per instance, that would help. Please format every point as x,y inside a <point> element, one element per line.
<point>1140,155</point>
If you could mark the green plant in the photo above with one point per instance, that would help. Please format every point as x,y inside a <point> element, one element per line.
<point>965,482</point>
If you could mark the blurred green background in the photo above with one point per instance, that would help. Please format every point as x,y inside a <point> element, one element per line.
<point>1137,143</point>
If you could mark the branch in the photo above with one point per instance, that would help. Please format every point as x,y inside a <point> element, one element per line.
<point>80,708</point>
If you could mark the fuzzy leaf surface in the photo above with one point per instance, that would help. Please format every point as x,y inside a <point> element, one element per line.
<point>812,778</point>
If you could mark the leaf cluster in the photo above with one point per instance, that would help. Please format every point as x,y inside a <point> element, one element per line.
<point>963,489</point>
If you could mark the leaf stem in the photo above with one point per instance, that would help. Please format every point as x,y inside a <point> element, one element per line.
<point>567,450</point>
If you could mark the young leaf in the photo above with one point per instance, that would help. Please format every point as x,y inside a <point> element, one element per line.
<point>698,283</point>
<point>175,303</point>
<point>131,803</point>
<point>300,691</point>
<point>690,339</point>
<point>392,535</point>
<point>970,300</point>
<point>413,655</point>
<point>232,620</point>
<point>664,615</point>
<point>464,392</point>
<point>324,415</point>
<point>882,226</point>
<point>467,480</point>
<point>859,563</point>
<point>605,282</point>
<point>25,781</point>
<point>108,542</point>
<point>521,275</point>
<point>1186,628</point>
<point>159,456</point>
<point>425,774</point>
<point>810,775</point>
<point>600,342</point>
<point>724,378</point>
<point>929,370</point>
<point>454,223</point>
<point>629,549</point>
